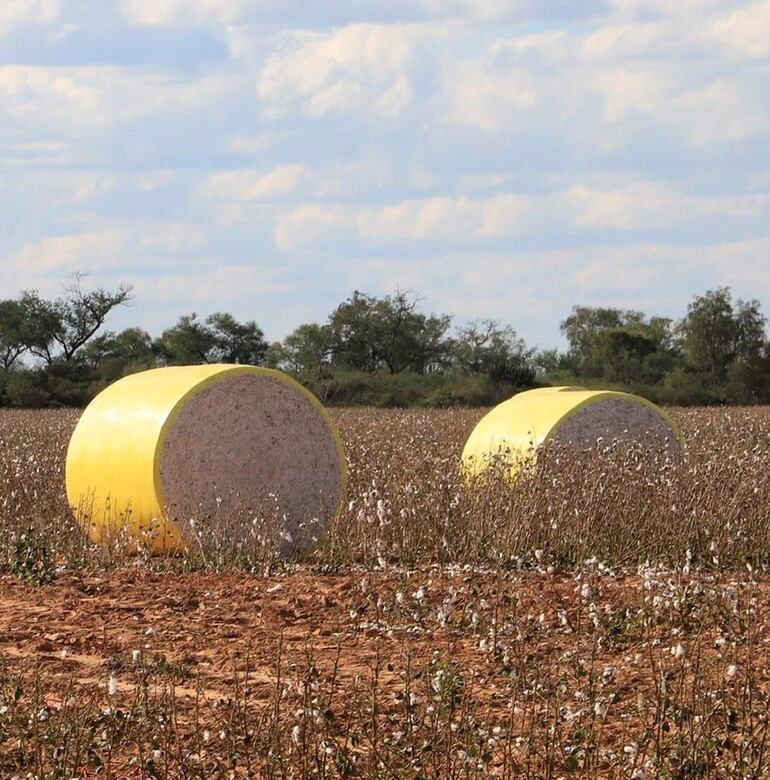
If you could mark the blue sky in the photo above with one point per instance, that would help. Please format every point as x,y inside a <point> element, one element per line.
<point>268,157</point>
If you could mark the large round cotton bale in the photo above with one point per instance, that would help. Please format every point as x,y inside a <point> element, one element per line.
<point>158,453</point>
<point>567,416</point>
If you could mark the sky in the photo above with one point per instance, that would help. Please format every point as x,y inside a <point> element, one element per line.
<point>506,159</point>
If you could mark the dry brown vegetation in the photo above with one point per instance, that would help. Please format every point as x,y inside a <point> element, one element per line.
<point>607,616</point>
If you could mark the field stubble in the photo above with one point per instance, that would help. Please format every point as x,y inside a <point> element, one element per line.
<point>607,617</point>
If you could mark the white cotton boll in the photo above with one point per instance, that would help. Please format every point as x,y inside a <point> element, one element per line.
<point>600,708</point>
<point>732,670</point>
<point>112,685</point>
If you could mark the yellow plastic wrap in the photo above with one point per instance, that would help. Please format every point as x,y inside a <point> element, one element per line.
<point>113,461</point>
<point>517,427</point>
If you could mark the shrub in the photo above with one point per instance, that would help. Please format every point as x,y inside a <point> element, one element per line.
<point>31,559</point>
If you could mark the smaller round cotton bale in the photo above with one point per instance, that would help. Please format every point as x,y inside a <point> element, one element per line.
<point>161,456</point>
<point>571,417</point>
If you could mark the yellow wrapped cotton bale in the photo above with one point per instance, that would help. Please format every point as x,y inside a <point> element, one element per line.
<point>573,416</point>
<point>161,451</point>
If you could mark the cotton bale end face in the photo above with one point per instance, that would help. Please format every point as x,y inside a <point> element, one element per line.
<point>158,453</point>
<point>567,416</point>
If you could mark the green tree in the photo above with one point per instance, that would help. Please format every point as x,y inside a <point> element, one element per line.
<point>484,347</point>
<point>218,339</point>
<point>64,326</point>
<point>189,342</point>
<point>113,355</point>
<point>368,333</point>
<point>236,342</point>
<point>307,350</point>
<point>548,362</point>
<point>748,380</point>
<point>580,327</point>
<point>620,355</point>
<point>717,332</point>
<point>16,332</point>
<point>621,346</point>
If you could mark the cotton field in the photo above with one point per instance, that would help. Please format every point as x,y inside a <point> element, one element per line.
<point>605,615</point>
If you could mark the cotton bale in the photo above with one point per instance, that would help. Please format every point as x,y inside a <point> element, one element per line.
<point>159,452</point>
<point>572,417</point>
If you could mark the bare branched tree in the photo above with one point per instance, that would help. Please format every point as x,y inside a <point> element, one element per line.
<point>70,322</point>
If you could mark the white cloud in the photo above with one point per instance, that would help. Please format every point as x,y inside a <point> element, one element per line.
<point>16,12</point>
<point>650,205</point>
<point>428,219</point>
<point>247,144</point>
<point>67,253</point>
<point>656,267</point>
<point>112,246</point>
<point>636,205</point>
<point>686,9</point>
<point>305,225</point>
<point>747,30</point>
<point>617,79</point>
<point>633,94</point>
<point>363,67</point>
<point>215,286</point>
<point>439,217</point>
<point>22,154</point>
<point>724,110</point>
<point>357,178</point>
<point>150,180</point>
<point>483,97</point>
<point>441,134</point>
<point>184,12</point>
<point>49,190</point>
<point>29,93</point>
<point>245,185</point>
<point>59,100</point>
<point>655,40</point>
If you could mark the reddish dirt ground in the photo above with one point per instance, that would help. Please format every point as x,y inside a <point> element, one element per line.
<point>570,644</point>
<point>84,626</point>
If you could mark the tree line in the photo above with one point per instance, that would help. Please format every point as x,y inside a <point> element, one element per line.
<point>388,351</point>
